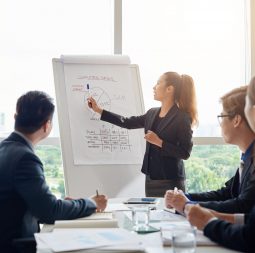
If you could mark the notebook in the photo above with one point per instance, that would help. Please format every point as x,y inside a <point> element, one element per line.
<point>95,220</point>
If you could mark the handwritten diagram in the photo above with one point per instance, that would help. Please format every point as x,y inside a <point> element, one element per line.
<point>102,98</point>
<point>114,139</point>
<point>109,140</point>
<point>95,141</point>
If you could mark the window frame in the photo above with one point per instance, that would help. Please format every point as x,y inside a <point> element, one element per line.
<point>250,60</point>
<point>250,51</point>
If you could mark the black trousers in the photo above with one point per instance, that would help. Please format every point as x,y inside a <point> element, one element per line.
<point>158,188</point>
<point>23,245</point>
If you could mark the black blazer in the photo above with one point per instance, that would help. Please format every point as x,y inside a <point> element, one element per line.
<point>233,236</point>
<point>176,133</point>
<point>232,198</point>
<point>25,197</point>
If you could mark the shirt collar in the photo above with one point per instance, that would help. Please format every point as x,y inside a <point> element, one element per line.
<point>26,139</point>
<point>247,153</point>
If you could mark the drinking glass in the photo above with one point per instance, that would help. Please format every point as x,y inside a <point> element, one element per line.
<point>184,240</point>
<point>140,217</point>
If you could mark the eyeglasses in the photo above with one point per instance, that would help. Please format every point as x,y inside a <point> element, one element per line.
<point>221,116</point>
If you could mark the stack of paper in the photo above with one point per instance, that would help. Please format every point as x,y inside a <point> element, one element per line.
<point>112,207</point>
<point>86,224</point>
<point>99,216</point>
<point>96,220</point>
<point>76,239</point>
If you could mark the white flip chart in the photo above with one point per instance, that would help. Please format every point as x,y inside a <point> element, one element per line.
<point>96,154</point>
<point>109,83</point>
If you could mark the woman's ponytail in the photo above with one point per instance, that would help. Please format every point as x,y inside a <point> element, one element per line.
<point>187,98</point>
<point>251,91</point>
<point>184,94</point>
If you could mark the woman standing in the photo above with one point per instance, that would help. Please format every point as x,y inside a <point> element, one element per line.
<point>168,132</point>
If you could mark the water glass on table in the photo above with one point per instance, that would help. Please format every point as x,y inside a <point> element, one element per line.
<point>184,240</point>
<point>140,217</point>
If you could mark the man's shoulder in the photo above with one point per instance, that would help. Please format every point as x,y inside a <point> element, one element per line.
<point>15,143</point>
<point>249,164</point>
<point>16,148</point>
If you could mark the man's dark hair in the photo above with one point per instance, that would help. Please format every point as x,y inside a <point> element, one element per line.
<point>33,110</point>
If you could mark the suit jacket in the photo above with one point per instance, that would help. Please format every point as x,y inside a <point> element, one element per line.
<point>25,197</point>
<point>234,197</point>
<point>233,236</point>
<point>176,133</point>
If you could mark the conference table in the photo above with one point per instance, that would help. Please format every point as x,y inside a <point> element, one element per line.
<point>151,241</point>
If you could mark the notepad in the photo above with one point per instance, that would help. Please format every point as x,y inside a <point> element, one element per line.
<point>98,216</point>
<point>86,223</point>
<point>95,220</point>
<point>113,207</point>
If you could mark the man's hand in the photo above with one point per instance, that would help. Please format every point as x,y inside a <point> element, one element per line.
<point>68,198</point>
<point>175,200</point>
<point>198,216</point>
<point>229,217</point>
<point>101,202</point>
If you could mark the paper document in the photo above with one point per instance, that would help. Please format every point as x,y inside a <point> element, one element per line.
<point>162,215</point>
<point>95,220</point>
<point>77,239</point>
<point>111,207</point>
<point>98,216</point>
<point>171,226</point>
<point>81,223</point>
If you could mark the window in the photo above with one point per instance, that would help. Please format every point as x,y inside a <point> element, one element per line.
<point>203,38</point>
<point>53,168</point>
<point>210,166</point>
<point>207,40</point>
<point>34,32</point>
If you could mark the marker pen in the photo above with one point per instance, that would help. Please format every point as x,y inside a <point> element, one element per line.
<point>89,103</point>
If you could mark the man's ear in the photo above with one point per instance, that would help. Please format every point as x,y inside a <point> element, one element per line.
<point>15,115</point>
<point>46,126</point>
<point>237,120</point>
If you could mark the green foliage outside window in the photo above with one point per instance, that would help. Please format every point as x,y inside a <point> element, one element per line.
<point>208,168</point>
<point>53,168</point>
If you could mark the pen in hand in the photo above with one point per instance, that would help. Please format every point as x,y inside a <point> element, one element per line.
<point>89,103</point>
<point>175,190</point>
<point>101,202</point>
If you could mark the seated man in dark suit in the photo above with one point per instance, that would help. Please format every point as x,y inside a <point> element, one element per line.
<point>233,236</point>
<point>25,198</point>
<point>238,195</point>
<point>217,226</point>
